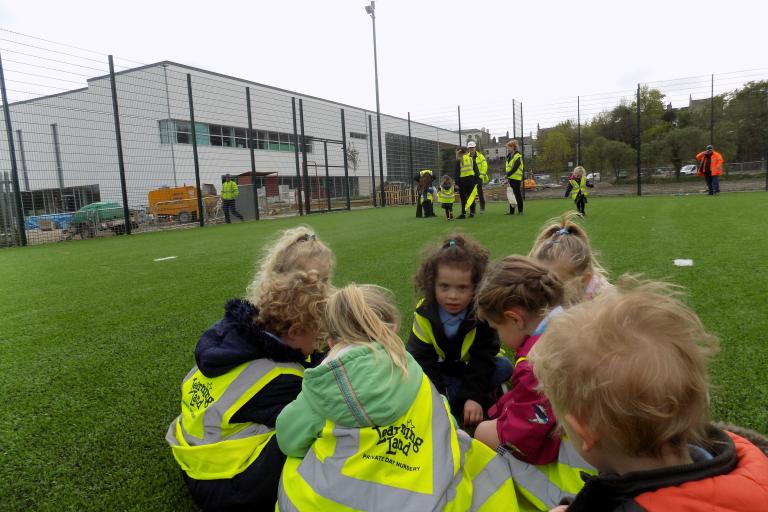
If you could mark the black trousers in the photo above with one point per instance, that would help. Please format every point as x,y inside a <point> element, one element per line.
<point>466,185</point>
<point>516,189</point>
<point>448,207</point>
<point>229,204</point>
<point>581,202</point>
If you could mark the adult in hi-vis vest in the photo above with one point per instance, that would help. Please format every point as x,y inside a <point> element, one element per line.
<point>229,192</point>
<point>471,173</point>
<point>515,168</point>
<point>480,166</point>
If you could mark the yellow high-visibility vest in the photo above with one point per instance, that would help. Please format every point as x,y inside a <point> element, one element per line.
<point>446,196</point>
<point>204,442</point>
<point>541,487</point>
<point>229,190</point>
<point>422,329</point>
<point>419,462</point>
<point>518,174</point>
<point>578,186</point>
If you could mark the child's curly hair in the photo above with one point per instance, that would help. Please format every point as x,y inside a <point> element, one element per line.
<point>456,250</point>
<point>296,297</point>
<point>291,251</point>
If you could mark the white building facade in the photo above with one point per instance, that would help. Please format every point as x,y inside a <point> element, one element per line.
<point>68,139</point>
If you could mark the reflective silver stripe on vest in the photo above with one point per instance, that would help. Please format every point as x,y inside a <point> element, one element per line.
<point>488,481</point>
<point>213,415</point>
<point>360,494</point>
<point>418,331</point>
<point>284,502</point>
<point>530,478</point>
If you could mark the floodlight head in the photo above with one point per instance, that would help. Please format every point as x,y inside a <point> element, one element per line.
<point>369,10</point>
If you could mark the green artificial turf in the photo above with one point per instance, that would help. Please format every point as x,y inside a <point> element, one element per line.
<point>95,336</point>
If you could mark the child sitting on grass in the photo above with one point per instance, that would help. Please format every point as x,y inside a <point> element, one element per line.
<point>249,365</point>
<point>519,297</point>
<point>627,377</point>
<point>370,432</point>
<point>563,246</point>
<point>457,351</point>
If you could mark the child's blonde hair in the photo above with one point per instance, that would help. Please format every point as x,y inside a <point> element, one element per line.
<point>362,315</point>
<point>290,298</point>
<point>632,364</point>
<point>517,281</point>
<point>294,248</point>
<point>579,171</point>
<point>565,243</point>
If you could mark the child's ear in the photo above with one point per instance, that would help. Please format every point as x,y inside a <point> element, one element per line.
<point>515,316</point>
<point>295,330</point>
<point>586,277</point>
<point>588,436</point>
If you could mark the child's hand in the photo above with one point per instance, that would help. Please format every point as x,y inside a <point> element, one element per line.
<point>473,413</point>
<point>561,508</point>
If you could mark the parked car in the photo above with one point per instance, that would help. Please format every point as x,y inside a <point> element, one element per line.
<point>593,176</point>
<point>688,170</point>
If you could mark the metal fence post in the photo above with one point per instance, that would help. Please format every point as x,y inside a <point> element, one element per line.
<point>200,215</point>
<point>24,172</point>
<point>296,154</point>
<point>253,157</point>
<point>522,144</point>
<point>514,121</point>
<point>305,167</point>
<point>327,175</point>
<point>410,157</point>
<point>346,162</point>
<point>461,142</point>
<point>712,112</point>
<point>373,169</point>
<point>119,142</point>
<point>578,130</point>
<point>639,172</point>
<point>12,154</point>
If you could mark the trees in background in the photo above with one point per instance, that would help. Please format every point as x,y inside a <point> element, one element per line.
<point>668,136</point>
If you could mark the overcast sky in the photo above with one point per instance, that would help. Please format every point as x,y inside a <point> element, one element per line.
<point>433,55</point>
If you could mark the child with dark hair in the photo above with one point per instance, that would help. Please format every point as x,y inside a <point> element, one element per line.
<point>425,194</point>
<point>456,350</point>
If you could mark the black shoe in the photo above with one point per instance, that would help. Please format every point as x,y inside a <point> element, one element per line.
<point>462,216</point>
<point>471,215</point>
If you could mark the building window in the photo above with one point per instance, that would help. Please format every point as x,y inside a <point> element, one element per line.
<point>215,134</point>
<point>179,132</point>
<point>240,138</point>
<point>183,132</point>
<point>358,135</point>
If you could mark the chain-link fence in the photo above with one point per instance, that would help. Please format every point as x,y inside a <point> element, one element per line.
<point>95,147</point>
<point>148,147</point>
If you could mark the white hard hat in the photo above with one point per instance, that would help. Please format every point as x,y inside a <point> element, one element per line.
<point>471,144</point>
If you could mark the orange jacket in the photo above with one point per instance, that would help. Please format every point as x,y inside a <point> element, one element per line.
<point>716,165</point>
<point>743,488</point>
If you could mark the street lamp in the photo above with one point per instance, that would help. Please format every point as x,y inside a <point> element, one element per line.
<point>371,10</point>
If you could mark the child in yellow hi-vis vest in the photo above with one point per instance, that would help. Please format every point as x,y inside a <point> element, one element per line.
<point>446,195</point>
<point>249,365</point>
<point>370,432</point>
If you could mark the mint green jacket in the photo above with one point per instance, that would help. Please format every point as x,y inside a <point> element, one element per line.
<point>362,383</point>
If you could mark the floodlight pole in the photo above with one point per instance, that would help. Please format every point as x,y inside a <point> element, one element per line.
<point>371,10</point>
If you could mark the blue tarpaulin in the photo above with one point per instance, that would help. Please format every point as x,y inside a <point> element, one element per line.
<point>60,220</point>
